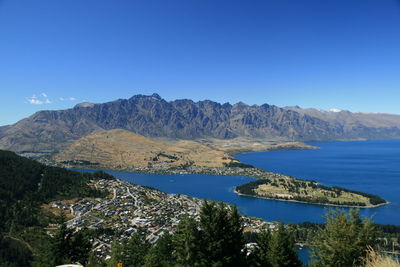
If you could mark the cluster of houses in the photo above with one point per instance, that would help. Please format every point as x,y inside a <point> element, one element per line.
<point>129,208</point>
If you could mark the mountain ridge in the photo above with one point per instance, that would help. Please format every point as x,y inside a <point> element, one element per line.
<point>153,117</point>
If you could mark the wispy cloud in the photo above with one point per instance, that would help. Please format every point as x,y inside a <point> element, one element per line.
<point>67,98</point>
<point>43,99</point>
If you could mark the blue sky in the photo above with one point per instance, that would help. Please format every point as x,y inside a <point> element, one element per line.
<point>325,54</point>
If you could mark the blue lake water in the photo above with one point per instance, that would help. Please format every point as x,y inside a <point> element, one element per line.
<point>368,166</point>
<point>371,166</point>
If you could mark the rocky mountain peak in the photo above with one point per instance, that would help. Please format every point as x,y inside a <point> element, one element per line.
<point>152,116</point>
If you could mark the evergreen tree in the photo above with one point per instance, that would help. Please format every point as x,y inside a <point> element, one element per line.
<point>117,253</point>
<point>187,243</point>
<point>80,247</point>
<point>136,249</point>
<point>260,256</point>
<point>216,240</point>
<point>282,251</point>
<point>60,247</point>
<point>222,235</point>
<point>45,256</point>
<point>96,261</point>
<point>344,240</point>
<point>160,255</point>
<point>68,246</point>
<point>130,252</point>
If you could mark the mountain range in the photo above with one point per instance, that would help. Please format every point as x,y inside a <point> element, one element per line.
<point>151,116</point>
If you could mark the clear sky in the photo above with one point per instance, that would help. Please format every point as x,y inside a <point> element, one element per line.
<point>342,54</point>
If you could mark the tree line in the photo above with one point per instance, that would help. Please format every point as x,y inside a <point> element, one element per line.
<point>216,238</point>
<point>24,186</point>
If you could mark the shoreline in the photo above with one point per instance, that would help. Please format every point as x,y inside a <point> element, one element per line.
<point>184,171</point>
<point>309,203</point>
<point>226,171</point>
<point>286,146</point>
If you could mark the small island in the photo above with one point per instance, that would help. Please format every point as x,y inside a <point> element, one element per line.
<point>286,188</point>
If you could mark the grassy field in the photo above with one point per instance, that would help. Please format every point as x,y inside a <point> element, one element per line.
<point>283,187</point>
<point>286,188</point>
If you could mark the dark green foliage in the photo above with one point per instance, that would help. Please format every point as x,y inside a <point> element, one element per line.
<point>248,189</point>
<point>216,240</point>
<point>68,246</point>
<point>306,233</point>
<point>24,186</point>
<point>274,249</point>
<point>282,251</point>
<point>188,243</point>
<point>130,252</point>
<point>160,255</point>
<point>222,235</point>
<point>388,228</point>
<point>344,240</point>
<point>238,165</point>
<point>260,257</point>
<point>136,249</point>
<point>14,252</point>
<point>374,199</point>
<point>167,156</point>
<point>81,163</point>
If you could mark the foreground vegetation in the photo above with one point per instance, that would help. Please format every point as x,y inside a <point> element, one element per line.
<point>216,239</point>
<point>24,186</point>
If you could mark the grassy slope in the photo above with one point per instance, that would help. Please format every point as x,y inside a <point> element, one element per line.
<point>283,187</point>
<point>119,148</point>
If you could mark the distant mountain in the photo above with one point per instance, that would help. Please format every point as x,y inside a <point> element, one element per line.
<point>349,119</point>
<point>152,116</point>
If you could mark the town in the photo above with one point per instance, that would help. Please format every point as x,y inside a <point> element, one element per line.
<point>129,208</point>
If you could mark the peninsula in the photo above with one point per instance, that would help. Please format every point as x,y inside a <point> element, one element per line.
<point>150,134</point>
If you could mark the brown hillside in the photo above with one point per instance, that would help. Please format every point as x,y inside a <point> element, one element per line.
<point>120,148</point>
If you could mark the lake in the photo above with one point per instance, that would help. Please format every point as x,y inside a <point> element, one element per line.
<point>370,166</point>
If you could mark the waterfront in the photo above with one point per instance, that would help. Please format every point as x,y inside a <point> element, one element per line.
<point>371,166</point>
<point>367,166</point>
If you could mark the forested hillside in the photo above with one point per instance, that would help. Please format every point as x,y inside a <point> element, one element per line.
<point>24,186</point>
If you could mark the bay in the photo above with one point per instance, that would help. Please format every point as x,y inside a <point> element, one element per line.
<point>370,166</point>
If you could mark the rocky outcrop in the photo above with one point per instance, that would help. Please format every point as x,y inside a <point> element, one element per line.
<point>152,116</point>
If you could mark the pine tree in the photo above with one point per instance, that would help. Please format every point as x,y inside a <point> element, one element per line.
<point>136,249</point>
<point>187,243</point>
<point>60,247</point>
<point>282,251</point>
<point>130,252</point>
<point>216,240</point>
<point>117,253</point>
<point>80,247</point>
<point>68,246</point>
<point>260,256</point>
<point>344,240</point>
<point>160,255</point>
